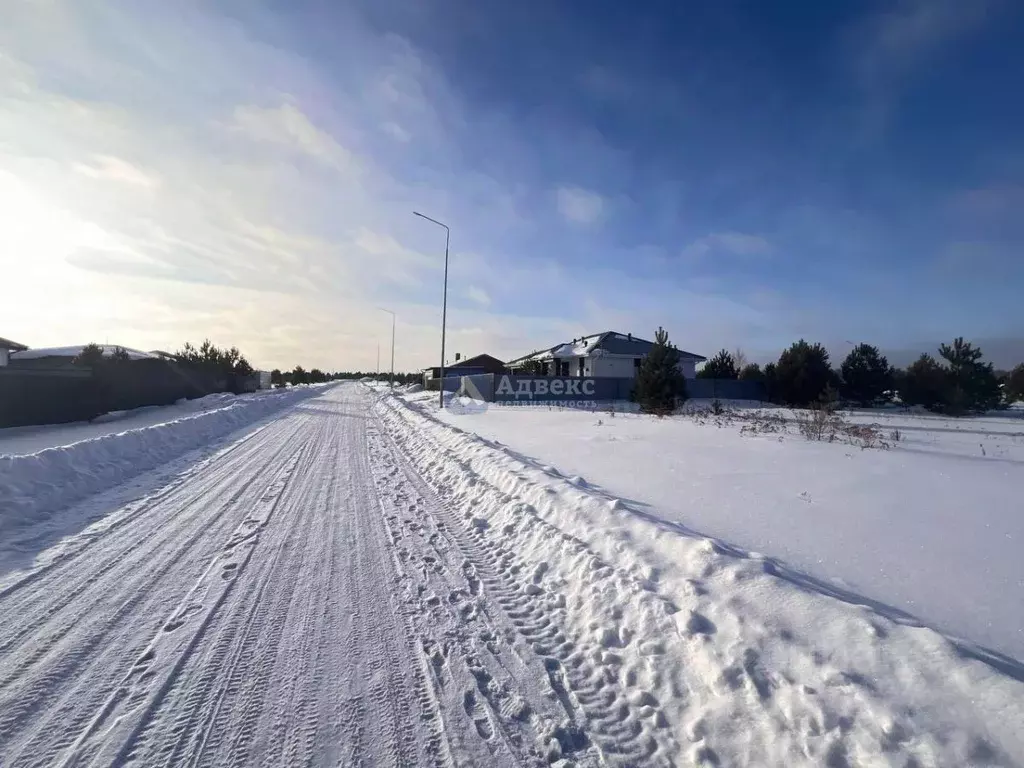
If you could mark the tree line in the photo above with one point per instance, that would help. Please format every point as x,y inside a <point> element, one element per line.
<point>230,362</point>
<point>299,375</point>
<point>208,357</point>
<point>958,382</point>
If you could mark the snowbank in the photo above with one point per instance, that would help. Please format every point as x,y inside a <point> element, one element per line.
<point>36,484</point>
<point>739,661</point>
<point>35,438</point>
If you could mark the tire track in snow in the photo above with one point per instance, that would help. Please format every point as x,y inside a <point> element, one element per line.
<point>623,721</point>
<point>141,689</point>
<point>76,653</point>
<point>250,634</point>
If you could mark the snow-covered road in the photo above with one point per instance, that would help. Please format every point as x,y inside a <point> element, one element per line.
<point>356,584</point>
<point>281,604</point>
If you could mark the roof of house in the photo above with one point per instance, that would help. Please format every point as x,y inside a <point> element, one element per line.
<point>477,360</point>
<point>11,346</point>
<point>608,342</point>
<point>469,362</point>
<point>74,351</point>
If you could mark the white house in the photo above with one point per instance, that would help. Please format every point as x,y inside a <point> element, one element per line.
<point>7,347</point>
<point>609,354</point>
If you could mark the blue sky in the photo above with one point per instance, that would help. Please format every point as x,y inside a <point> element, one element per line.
<point>743,173</point>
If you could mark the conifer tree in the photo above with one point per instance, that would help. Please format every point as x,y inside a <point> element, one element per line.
<point>659,382</point>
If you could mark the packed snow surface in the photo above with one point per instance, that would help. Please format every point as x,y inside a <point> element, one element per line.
<point>932,526</point>
<point>357,583</point>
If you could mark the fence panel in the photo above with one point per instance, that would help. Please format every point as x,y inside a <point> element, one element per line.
<point>725,389</point>
<point>478,387</point>
<point>32,396</point>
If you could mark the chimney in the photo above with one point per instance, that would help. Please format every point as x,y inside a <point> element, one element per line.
<point>629,336</point>
<point>458,357</point>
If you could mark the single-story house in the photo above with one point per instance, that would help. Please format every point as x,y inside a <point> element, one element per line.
<point>7,347</point>
<point>609,354</point>
<point>468,367</point>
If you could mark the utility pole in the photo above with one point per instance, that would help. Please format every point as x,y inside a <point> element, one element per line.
<point>393,316</point>
<point>444,305</point>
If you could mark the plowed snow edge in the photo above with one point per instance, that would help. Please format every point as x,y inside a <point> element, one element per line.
<point>34,485</point>
<point>714,657</point>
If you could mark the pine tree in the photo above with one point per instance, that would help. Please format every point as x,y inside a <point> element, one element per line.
<point>532,368</point>
<point>751,372</point>
<point>802,374</point>
<point>924,383</point>
<point>91,356</point>
<point>1013,388</point>
<point>770,376</point>
<point>972,384</point>
<point>866,375</point>
<point>659,382</point>
<point>721,366</point>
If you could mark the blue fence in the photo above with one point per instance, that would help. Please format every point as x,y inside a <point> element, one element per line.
<point>724,389</point>
<point>504,388</point>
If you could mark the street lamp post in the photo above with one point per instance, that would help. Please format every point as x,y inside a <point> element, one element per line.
<point>391,385</point>
<point>444,304</point>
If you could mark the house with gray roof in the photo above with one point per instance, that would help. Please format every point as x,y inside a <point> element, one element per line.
<point>609,354</point>
<point>7,347</point>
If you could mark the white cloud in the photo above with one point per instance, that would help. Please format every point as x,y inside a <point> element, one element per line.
<point>735,243</point>
<point>579,206</point>
<point>478,295</point>
<point>289,126</point>
<point>115,169</point>
<point>238,240</point>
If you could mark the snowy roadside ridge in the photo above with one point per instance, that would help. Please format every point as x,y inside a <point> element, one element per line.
<point>737,665</point>
<point>35,485</point>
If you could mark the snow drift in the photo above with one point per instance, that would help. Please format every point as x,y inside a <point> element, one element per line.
<point>36,484</point>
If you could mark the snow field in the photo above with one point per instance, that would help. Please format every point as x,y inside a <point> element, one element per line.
<point>929,527</point>
<point>688,649</point>
<point>36,484</point>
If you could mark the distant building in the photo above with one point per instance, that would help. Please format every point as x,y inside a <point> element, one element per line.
<point>7,347</point>
<point>56,357</point>
<point>468,367</point>
<point>609,354</point>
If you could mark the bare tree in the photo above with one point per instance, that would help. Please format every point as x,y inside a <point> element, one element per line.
<point>739,359</point>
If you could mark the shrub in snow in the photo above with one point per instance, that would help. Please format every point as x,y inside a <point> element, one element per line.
<point>866,375</point>
<point>659,382</point>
